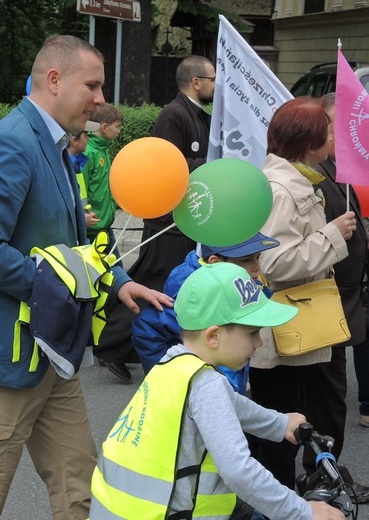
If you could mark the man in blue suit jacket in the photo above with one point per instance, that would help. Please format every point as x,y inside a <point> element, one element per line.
<point>40,206</point>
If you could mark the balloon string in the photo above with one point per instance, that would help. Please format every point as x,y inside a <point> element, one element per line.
<point>145,242</point>
<point>119,237</point>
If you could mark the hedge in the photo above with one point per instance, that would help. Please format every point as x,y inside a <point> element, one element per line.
<point>137,122</point>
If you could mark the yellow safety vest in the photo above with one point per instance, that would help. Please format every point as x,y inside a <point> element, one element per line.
<point>137,471</point>
<point>82,267</point>
<point>83,191</point>
<point>86,272</point>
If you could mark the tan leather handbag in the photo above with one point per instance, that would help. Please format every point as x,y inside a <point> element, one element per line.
<point>319,323</point>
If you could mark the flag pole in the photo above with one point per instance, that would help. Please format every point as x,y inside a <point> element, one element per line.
<point>347,197</point>
<point>339,45</point>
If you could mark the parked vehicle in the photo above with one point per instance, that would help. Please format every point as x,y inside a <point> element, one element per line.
<point>321,79</point>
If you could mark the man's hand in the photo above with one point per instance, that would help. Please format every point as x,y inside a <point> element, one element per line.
<point>130,291</point>
<point>294,421</point>
<point>323,511</point>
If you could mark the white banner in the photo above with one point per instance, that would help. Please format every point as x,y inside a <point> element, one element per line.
<point>247,94</point>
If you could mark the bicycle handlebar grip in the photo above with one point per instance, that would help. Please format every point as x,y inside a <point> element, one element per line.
<point>303,432</point>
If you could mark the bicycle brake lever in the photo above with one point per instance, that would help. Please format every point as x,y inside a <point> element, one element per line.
<point>323,440</point>
<point>343,503</point>
<point>339,500</point>
<point>321,495</point>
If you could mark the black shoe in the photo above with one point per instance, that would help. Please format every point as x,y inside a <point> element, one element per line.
<point>354,489</point>
<point>120,371</point>
<point>101,362</point>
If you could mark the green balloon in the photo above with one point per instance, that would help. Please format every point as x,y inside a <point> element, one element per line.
<point>227,202</point>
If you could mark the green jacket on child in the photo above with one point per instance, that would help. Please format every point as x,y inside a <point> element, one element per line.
<point>96,175</point>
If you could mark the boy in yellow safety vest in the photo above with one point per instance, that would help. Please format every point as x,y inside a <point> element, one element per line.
<point>77,145</point>
<point>178,450</point>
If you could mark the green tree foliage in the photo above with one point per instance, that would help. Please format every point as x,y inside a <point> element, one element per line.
<point>24,25</point>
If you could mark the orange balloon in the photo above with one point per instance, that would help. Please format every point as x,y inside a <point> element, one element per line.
<point>362,193</point>
<point>149,177</point>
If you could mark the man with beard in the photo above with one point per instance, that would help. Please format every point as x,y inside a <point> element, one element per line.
<point>184,123</point>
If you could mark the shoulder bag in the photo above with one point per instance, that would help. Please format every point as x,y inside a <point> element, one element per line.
<point>319,323</point>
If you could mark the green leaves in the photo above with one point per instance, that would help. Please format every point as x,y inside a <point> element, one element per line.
<point>24,25</point>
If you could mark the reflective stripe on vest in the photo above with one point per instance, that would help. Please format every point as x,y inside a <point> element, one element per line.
<point>137,470</point>
<point>82,190</point>
<point>99,318</point>
<point>23,320</point>
<point>209,503</point>
<point>81,268</point>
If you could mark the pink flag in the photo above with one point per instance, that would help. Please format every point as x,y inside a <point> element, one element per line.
<point>351,127</point>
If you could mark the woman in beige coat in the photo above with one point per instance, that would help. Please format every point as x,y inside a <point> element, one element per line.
<point>298,139</point>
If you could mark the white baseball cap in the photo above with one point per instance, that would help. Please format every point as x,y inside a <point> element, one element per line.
<point>92,126</point>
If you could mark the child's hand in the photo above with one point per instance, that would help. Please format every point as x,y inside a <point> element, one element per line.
<point>322,511</point>
<point>91,218</point>
<point>294,421</point>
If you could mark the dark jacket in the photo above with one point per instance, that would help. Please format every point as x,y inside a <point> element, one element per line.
<point>186,126</point>
<point>350,271</point>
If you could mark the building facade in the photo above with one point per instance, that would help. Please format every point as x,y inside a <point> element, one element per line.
<point>306,33</point>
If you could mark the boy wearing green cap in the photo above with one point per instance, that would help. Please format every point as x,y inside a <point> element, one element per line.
<point>178,451</point>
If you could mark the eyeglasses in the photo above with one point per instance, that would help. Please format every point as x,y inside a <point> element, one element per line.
<point>212,78</point>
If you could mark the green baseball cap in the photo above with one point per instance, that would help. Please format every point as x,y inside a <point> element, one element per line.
<point>222,293</point>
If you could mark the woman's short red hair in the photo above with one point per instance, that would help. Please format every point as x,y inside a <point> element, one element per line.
<point>297,126</point>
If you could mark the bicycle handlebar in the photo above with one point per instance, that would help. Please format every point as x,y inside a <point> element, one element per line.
<point>326,484</point>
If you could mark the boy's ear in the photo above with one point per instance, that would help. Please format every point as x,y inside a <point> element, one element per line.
<point>213,259</point>
<point>212,336</point>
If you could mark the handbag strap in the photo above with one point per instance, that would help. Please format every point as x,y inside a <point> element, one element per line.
<point>297,300</point>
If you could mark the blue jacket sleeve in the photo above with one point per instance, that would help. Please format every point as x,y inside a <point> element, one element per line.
<point>153,332</point>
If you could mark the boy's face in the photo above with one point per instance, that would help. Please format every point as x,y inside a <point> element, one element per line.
<point>237,345</point>
<point>81,143</point>
<point>250,263</point>
<point>111,131</point>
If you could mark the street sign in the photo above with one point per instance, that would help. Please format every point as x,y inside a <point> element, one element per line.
<point>120,9</point>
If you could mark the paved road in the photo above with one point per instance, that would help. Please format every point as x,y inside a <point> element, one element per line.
<point>106,397</point>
